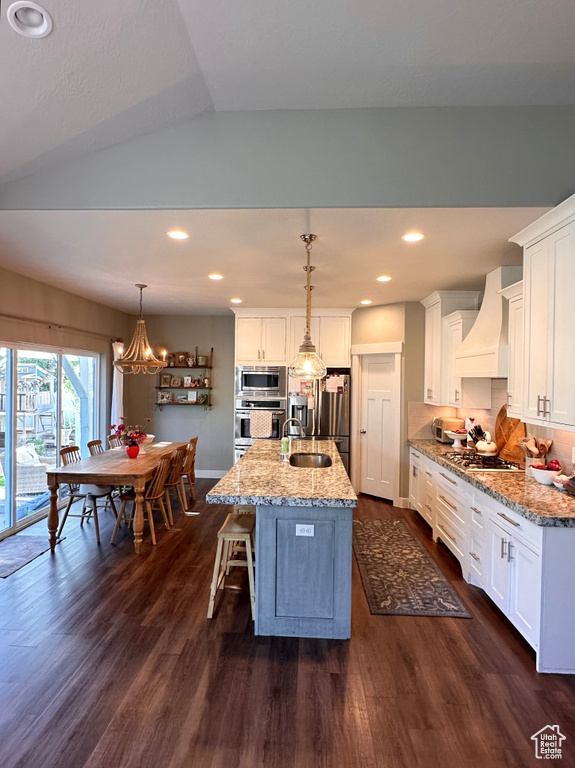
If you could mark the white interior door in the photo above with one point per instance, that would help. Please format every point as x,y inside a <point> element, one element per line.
<point>379,449</point>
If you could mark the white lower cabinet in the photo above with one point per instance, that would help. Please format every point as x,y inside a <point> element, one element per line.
<point>526,569</point>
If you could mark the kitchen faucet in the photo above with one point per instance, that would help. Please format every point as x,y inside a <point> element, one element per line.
<point>298,422</point>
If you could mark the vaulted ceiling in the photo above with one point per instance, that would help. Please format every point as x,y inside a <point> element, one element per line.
<point>114,70</point>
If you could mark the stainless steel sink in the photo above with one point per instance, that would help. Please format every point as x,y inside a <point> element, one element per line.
<point>310,460</point>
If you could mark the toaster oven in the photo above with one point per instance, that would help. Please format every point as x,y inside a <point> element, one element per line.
<point>441,425</point>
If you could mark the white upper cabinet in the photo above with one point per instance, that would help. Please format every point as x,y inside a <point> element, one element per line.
<point>461,393</point>
<point>273,337</point>
<point>514,295</point>
<point>549,321</point>
<point>438,305</point>
<point>261,340</point>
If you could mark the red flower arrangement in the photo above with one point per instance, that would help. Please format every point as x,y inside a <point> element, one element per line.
<point>130,435</point>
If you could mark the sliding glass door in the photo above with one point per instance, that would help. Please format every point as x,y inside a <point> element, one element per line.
<point>48,399</point>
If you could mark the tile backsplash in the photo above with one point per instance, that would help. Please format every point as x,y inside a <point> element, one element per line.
<point>420,416</point>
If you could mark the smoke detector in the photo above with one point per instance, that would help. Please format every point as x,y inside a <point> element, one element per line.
<point>29,19</point>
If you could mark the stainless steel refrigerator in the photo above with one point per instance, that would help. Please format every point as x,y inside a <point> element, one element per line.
<point>329,417</point>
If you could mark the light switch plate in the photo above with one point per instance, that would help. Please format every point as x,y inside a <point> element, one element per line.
<point>573,455</point>
<point>304,530</point>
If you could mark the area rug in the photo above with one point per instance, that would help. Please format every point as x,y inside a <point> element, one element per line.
<point>17,551</point>
<point>398,575</point>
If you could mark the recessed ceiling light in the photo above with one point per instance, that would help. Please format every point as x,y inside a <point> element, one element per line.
<point>366,301</point>
<point>384,278</point>
<point>177,234</point>
<point>236,301</point>
<point>215,276</point>
<point>29,19</point>
<point>413,237</point>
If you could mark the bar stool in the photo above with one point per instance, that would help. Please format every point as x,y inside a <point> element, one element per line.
<point>237,528</point>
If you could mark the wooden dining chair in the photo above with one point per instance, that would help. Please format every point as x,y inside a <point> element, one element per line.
<point>95,447</point>
<point>173,480</point>
<point>154,494</point>
<point>189,473</point>
<point>88,493</point>
<point>114,442</point>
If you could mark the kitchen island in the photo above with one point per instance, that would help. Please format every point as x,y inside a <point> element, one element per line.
<point>303,538</point>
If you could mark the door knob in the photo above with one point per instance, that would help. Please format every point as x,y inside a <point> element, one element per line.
<point>362,431</point>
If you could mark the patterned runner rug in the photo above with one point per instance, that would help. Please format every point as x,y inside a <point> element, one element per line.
<point>398,575</point>
<point>17,551</point>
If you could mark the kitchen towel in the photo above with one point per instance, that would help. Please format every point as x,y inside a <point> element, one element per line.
<point>261,424</point>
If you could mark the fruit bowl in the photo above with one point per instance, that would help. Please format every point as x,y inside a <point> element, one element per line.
<point>457,437</point>
<point>559,481</point>
<point>544,476</point>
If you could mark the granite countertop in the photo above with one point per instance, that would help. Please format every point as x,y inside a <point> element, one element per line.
<point>259,477</point>
<point>542,504</point>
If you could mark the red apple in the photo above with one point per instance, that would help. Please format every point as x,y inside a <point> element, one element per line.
<point>554,465</point>
<point>538,466</point>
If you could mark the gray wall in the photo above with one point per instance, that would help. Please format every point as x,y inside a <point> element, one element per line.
<point>397,322</point>
<point>24,297</point>
<point>440,157</point>
<point>180,422</point>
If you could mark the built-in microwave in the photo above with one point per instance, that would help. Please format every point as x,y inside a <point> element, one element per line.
<point>269,381</point>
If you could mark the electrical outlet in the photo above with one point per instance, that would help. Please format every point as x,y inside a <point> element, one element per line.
<point>304,530</point>
<point>573,455</point>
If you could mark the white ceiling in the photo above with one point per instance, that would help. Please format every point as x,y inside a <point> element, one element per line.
<point>101,254</point>
<point>112,70</point>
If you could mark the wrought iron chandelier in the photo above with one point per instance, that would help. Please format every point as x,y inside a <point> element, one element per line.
<point>139,357</point>
<point>308,364</point>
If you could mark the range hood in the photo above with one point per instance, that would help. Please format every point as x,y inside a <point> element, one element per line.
<point>484,352</point>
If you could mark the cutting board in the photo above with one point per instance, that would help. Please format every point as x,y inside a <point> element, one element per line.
<point>508,433</point>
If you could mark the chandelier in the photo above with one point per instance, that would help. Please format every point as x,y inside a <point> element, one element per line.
<point>308,364</point>
<point>139,357</point>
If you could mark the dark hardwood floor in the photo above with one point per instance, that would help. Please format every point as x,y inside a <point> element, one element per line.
<point>107,660</point>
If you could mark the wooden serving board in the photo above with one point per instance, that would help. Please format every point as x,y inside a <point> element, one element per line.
<point>508,433</point>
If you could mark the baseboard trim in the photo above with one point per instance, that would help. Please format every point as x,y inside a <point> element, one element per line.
<point>402,502</point>
<point>211,473</point>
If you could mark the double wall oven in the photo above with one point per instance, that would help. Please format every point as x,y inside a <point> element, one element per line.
<point>263,389</point>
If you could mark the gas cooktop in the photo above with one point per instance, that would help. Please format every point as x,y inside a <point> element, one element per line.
<point>478,462</point>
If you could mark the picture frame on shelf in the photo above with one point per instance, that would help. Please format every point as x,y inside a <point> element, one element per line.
<point>182,398</point>
<point>165,397</point>
<point>165,379</point>
<point>202,399</point>
<point>176,381</point>
<point>187,382</point>
<point>192,396</point>
<point>181,359</point>
<point>191,361</point>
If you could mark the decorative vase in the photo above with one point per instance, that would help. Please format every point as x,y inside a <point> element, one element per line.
<point>132,450</point>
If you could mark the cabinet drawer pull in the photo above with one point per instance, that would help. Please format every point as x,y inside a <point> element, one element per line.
<point>477,511</point>
<point>260,357</point>
<point>503,548</point>
<point>444,500</point>
<point>456,395</point>
<point>453,482</point>
<point>509,520</point>
<point>539,409</point>
<point>428,474</point>
<point>475,557</point>
<point>545,411</point>
<point>509,555</point>
<point>449,536</point>
<point>428,507</point>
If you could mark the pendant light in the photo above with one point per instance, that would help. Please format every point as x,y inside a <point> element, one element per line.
<point>139,357</point>
<point>308,364</point>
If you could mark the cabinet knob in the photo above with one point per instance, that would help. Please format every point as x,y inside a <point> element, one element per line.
<point>362,431</point>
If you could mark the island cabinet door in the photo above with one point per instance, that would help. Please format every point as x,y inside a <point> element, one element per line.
<point>303,571</point>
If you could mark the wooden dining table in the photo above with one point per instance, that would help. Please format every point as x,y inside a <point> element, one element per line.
<point>111,467</point>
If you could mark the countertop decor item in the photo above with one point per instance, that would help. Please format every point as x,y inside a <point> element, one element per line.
<point>543,476</point>
<point>139,358</point>
<point>457,438</point>
<point>307,364</point>
<point>508,433</point>
<point>130,435</point>
<point>486,445</point>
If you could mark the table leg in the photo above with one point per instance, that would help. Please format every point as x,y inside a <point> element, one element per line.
<point>139,518</point>
<point>53,516</point>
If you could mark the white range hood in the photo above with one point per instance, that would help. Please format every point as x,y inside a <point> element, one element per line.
<point>484,352</point>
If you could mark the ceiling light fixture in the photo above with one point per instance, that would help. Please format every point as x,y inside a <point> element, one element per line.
<point>366,301</point>
<point>178,234</point>
<point>413,237</point>
<point>307,364</point>
<point>383,279</point>
<point>29,19</point>
<point>139,357</point>
<point>236,301</point>
<point>215,276</point>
